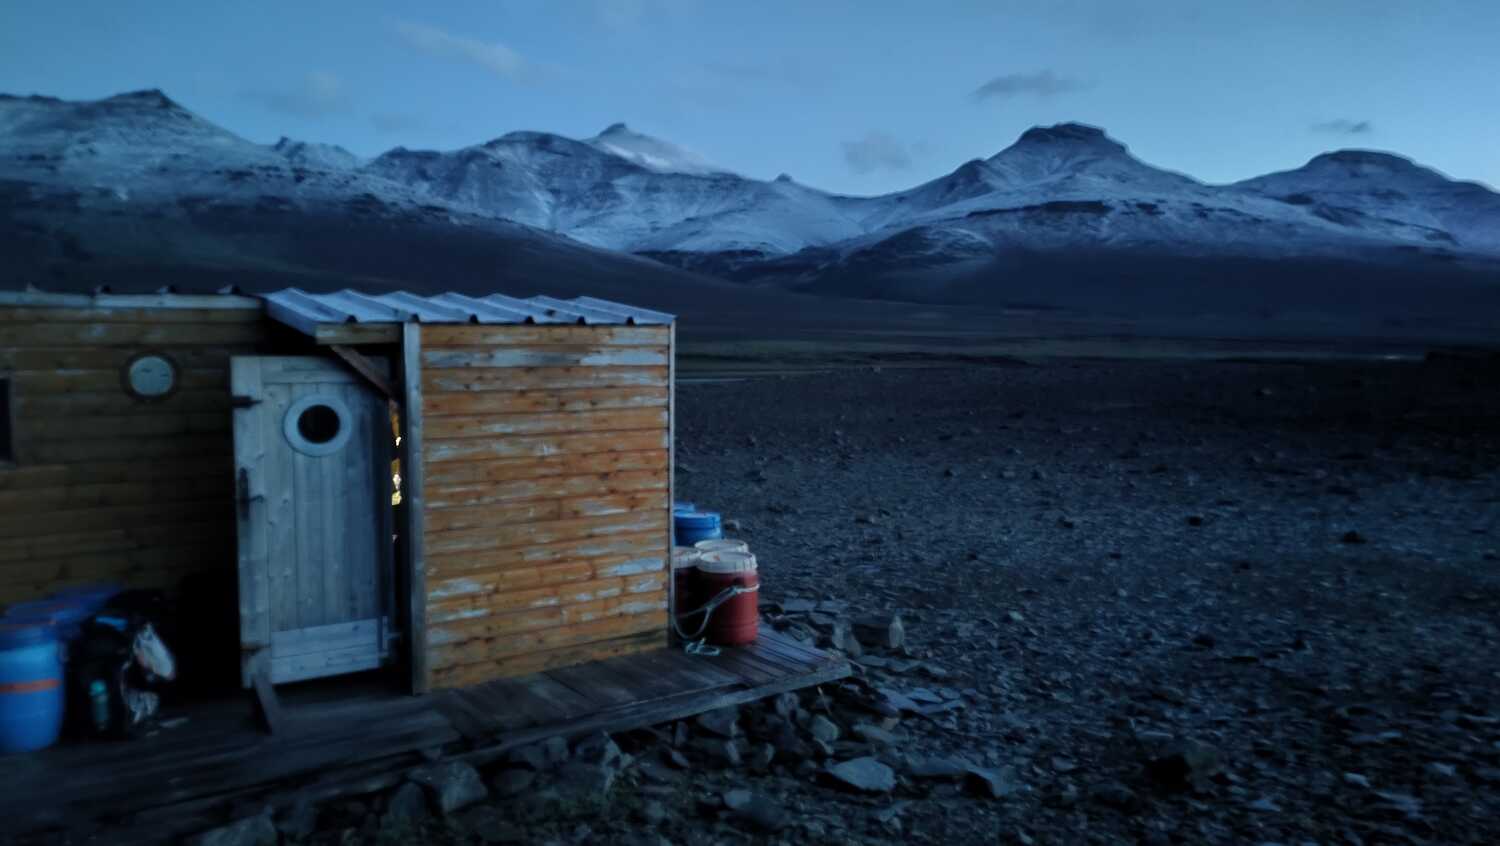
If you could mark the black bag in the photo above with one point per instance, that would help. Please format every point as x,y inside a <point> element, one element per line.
<point>116,670</point>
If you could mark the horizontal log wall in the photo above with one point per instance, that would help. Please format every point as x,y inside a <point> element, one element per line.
<point>546,472</point>
<point>107,487</point>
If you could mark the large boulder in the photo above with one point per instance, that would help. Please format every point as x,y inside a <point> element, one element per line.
<point>452,786</point>
<point>866,775</point>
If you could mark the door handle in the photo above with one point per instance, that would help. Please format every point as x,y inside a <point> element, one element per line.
<point>243,497</point>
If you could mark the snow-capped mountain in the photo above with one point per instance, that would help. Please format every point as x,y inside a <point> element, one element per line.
<point>323,156</point>
<point>651,153</point>
<point>135,191</point>
<point>1064,189</point>
<point>1378,188</point>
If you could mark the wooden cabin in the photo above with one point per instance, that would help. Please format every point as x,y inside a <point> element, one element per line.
<point>209,444</point>
<point>242,454</point>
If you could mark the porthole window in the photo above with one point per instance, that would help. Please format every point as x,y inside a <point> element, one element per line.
<point>317,425</point>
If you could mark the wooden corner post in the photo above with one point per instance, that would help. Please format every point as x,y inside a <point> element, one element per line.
<point>671,477</point>
<point>412,500</point>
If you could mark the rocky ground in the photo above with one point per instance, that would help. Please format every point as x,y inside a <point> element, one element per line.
<point>1138,602</point>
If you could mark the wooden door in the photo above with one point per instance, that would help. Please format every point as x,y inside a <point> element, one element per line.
<point>312,447</point>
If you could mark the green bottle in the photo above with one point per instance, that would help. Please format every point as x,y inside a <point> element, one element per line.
<point>99,703</point>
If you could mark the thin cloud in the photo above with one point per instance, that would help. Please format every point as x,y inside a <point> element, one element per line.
<point>1344,126</point>
<point>318,94</point>
<point>492,56</point>
<point>877,151</point>
<point>1042,83</point>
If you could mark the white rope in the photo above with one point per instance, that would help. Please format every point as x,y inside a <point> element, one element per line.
<point>707,611</point>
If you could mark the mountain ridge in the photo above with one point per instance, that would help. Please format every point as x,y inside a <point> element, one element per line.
<point>1068,187</point>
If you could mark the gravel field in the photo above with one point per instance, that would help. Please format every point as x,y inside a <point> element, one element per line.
<point>1159,602</point>
<point>1181,602</point>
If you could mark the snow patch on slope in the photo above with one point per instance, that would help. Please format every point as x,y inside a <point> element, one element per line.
<point>651,153</point>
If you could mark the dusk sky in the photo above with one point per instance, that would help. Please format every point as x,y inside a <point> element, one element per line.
<point>856,97</point>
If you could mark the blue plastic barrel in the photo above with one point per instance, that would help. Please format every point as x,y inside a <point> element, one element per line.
<point>683,508</point>
<point>31,687</point>
<point>689,527</point>
<point>67,614</point>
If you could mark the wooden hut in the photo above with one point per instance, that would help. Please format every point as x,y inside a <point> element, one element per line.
<point>240,452</point>
<point>151,437</point>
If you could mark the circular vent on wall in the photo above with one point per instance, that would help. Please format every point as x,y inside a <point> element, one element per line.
<point>317,425</point>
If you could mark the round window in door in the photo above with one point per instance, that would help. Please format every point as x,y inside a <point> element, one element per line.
<point>317,425</point>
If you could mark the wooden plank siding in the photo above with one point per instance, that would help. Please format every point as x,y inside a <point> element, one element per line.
<point>107,487</point>
<point>545,458</point>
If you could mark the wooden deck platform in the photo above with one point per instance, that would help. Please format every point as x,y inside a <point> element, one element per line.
<point>357,736</point>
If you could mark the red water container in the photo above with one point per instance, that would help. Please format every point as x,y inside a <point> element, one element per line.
<point>736,621</point>
<point>684,567</point>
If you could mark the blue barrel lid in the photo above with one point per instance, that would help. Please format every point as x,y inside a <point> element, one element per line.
<point>684,506</point>
<point>696,519</point>
<point>14,634</point>
<point>62,612</point>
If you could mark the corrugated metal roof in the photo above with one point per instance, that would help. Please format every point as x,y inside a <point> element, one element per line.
<point>305,311</point>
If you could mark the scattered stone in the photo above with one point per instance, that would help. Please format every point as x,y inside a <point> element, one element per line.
<point>864,774</point>
<point>511,782</point>
<point>540,756</point>
<point>823,729</point>
<point>452,786</point>
<point>1195,520</point>
<point>586,783</point>
<point>1357,780</point>
<point>654,813</point>
<point>884,632</point>
<point>253,831</point>
<point>723,722</point>
<point>762,756</point>
<point>1441,770</point>
<point>990,784</point>
<point>676,759</point>
<point>1266,805</point>
<point>936,766</point>
<point>1015,617</point>
<point>407,807</point>
<point>756,809</point>
<point>598,748</point>
<point>1116,795</point>
<point>718,752</point>
<point>299,821</point>
<point>1352,536</point>
<point>1189,765</point>
<point>786,705</point>
<point>874,734</point>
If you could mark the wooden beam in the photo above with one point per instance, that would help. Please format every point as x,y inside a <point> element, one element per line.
<point>366,367</point>
<point>358,333</point>
<point>266,706</point>
<point>250,495</point>
<point>414,503</point>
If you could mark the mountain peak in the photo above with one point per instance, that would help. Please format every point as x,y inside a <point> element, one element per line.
<point>145,97</point>
<point>650,153</point>
<point>1069,133</point>
<point>1364,158</point>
